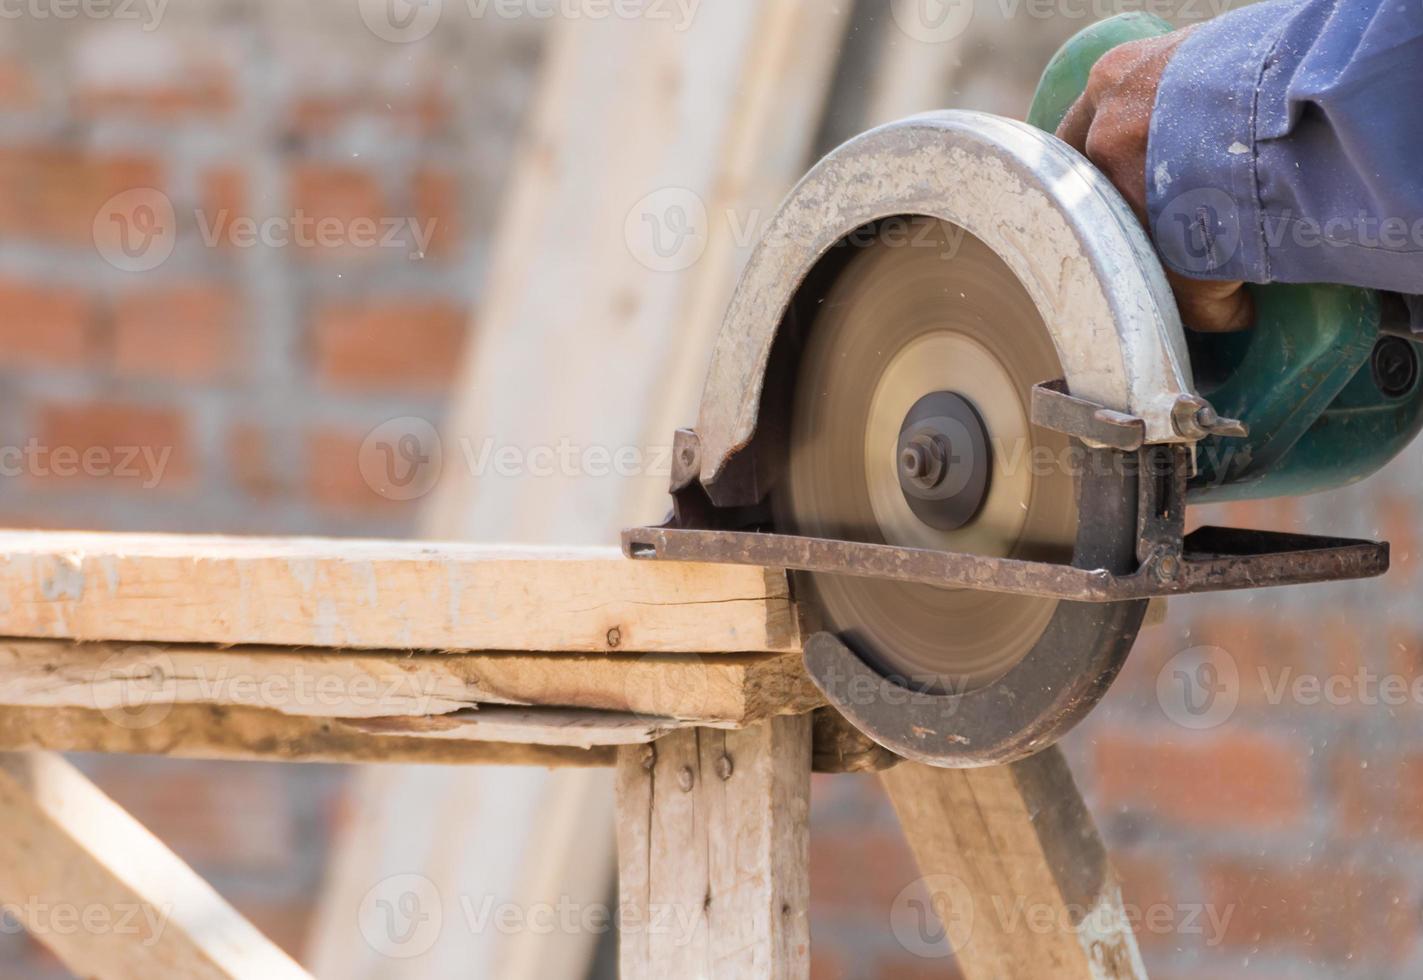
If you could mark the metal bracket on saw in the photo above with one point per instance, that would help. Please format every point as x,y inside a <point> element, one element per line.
<point>1171,562</point>
<point>987,726</point>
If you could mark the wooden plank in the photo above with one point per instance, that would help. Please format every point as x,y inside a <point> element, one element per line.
<point>1010,845</point>
<point>712,853</point>
<point>382,594</point>
<point>201,731</point>
<point>529,726</point>
<point>104,895</point>
<point>731,689</point>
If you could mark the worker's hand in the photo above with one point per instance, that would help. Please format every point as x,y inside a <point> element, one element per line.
<point>1109,124</point>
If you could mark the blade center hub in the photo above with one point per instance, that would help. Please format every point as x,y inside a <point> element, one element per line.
<point>944,460</point>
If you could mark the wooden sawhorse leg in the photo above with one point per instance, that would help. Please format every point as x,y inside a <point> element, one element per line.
<point>1015,869</point>
<point>712,853</point>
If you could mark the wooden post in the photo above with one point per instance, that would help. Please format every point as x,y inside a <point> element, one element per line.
<point>713,851</point>
<point>1014,866</point>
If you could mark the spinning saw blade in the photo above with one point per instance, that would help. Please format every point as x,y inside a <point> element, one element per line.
<point>910,426</point>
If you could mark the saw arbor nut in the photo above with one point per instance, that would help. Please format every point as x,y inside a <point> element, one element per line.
<point>944,460</point>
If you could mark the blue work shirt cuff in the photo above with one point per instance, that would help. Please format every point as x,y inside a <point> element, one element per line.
<point>1202,195</point>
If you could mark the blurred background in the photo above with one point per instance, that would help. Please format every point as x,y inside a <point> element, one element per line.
<point>248,246</point>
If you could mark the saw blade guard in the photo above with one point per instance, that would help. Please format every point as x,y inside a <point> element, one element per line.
<point>1055,221</point>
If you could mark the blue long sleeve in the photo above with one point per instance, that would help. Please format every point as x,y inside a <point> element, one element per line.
<point>1286,145</point>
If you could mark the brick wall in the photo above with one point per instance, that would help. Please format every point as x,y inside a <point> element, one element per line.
<point>249,363</point>
<point>1278,838</point>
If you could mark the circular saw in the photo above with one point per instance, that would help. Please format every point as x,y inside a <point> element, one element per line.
<point>952,394</point>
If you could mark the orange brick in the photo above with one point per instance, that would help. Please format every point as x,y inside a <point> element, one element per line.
<point>1267,651</point>
<point>424,112</point>
<point>436,196</point>
<point>1361,793</point>
<point>17,86</point>
<point>339,197</point>
<point>204,93</point>
<point>1408,810</point>
<point>54,193</point>
<point>389,345</point>
<point>250,461</point>
<point>333,474</point>
<point>44,325</point>
<point>121,444</point>
<point>1146,892</point>
<point>1209,779</point>
<point>1398,524</point>
<point>180,332</point>
<point>1327,912</point>
<point>866,868</point>
<point>224,197</point>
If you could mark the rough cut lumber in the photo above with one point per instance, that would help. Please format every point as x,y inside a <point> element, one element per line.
<point>723,690</point>
<point>382,595</point>
<point>712,853</point>
<point>530,726</point>
<point>201,731</point>
<point>104,895</point>
<point>1003,847</point>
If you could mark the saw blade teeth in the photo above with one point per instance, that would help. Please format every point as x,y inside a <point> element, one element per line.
<point>932,310</point>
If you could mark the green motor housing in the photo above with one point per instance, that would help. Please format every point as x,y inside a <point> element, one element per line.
<point>1328,397</point>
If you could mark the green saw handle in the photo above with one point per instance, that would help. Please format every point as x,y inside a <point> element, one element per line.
<point>1328,399</point>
